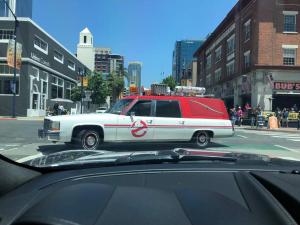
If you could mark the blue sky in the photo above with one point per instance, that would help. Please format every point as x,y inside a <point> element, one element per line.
<point>141,30</point>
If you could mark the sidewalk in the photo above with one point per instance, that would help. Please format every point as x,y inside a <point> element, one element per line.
<point>36,118</point>
<point>282,129</point>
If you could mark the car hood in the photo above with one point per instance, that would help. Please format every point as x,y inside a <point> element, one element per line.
<point>81,117</point>
<point>86,156</point>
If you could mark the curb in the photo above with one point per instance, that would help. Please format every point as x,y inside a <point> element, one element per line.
<point>8,118</point>
<point>272,130</point>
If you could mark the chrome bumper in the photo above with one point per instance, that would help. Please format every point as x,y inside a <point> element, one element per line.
<point>50,135</point>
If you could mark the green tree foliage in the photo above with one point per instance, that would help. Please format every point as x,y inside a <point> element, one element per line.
<point>170,81</point>
<point>76,94</point>
<point>99,89</point>
<point>115,84</point>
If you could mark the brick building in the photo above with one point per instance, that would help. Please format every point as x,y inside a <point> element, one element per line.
<point>253,56</point>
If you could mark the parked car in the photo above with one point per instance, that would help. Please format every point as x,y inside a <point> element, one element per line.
<point>144,118</point>
<point>101,110</point>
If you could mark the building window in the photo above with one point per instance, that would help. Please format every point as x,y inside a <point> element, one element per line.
<point>71,65</point>
<point>208,63</point>
<point>58,57</point>
<point>218,74</point>
<point>40,45</point>
<point>231,45</point>
<point>208,80</point>
<point>289,56</point>
<point>57,87</point>
<point>247,30</point>
<point>247,59</point>
<point>68,90</point>
<point>6,85</point>
<point>84,39</point>
<point>218,54</point>
<point>290,19</point>
<point>6,80</point>
<point>230,68</point>
<point>6,34</point>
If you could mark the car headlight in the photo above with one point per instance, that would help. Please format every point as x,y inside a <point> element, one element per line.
<point>55,126</point>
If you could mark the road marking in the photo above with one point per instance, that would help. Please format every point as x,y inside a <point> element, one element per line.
<point>241,136</point>
<point>289,149</point>
<point>293,139</point>
<point>29,158</point>
<point>1,149</point>
<point>11,145</point>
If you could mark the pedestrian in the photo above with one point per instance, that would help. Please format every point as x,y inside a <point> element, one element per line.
<point>239,114</point>
<point>298,127</point>
<point>278,115</point>
<point>233,116</point>
<point>55,109</point>
<point>285,117</point>
<point>61,109</point>
<point>252,117</point>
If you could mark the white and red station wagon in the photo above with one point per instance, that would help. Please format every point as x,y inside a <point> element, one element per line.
<point>144,119</point>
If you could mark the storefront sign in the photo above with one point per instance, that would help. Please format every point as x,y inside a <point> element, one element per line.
<point>10,55</point>
<point>286,86</point>
<point>39,59</point>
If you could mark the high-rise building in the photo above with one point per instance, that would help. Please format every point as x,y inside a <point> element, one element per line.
<point>135,74</point>
<point>183,57</point>
<point>21,8</point>
<point>100,60</point>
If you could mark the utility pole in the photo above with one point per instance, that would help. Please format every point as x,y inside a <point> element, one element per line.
<point>15,61</point>
<point>81,74</point>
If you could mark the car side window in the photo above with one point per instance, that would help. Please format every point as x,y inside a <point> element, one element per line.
<point>141,108</point>
<point>168,109</point>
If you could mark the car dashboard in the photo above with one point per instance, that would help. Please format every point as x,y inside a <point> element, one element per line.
<point>174,194</point>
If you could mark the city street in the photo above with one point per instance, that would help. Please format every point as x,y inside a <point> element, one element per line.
<point>19,141</point>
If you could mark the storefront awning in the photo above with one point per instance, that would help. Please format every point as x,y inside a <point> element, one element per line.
<point>61,100</point>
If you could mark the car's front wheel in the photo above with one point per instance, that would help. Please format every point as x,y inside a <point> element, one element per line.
<point>90,139</point>
<point>202,139</point>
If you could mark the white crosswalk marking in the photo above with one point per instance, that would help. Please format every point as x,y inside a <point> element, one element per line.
<point>280,135</point>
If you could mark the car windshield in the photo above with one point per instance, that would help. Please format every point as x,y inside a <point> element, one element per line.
<point>99,80</point>
<point>119,106</point>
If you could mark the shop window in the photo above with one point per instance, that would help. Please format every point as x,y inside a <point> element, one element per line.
<point>6,85</point>
<point>57,87</point>
<point>68,90</point>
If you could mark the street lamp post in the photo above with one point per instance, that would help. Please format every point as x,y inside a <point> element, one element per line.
<point>15,60</point>
<point>81,74</point>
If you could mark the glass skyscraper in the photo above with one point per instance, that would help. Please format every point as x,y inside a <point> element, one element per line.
<point>22,8</point>
<point>183,57</point>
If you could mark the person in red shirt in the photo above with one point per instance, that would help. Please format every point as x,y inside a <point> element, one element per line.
<point>239,116</point>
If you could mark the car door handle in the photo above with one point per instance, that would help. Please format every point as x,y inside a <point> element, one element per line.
<point>149,121</point>
<point>181,122</point>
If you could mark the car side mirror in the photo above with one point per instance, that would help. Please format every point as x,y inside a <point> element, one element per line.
<point>132,114</point>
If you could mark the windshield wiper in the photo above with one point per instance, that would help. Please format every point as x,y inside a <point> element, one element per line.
<point>169,157</point>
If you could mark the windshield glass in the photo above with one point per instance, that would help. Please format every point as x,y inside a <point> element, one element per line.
<point>119,106</point>
<point>211,75</point>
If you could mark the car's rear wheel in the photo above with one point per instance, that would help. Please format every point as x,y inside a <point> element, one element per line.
<point>202,139</point>
<point>90,139</point>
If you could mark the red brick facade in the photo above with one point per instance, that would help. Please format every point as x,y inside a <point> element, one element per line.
<point>266,43</point>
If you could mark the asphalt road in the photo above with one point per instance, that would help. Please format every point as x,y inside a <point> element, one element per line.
<point>19,141</point>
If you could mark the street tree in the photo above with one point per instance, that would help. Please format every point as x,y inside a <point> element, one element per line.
<point>76,94</point>
<point>115,85</point>
<point>169,81</point>
<point>98,86</point>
